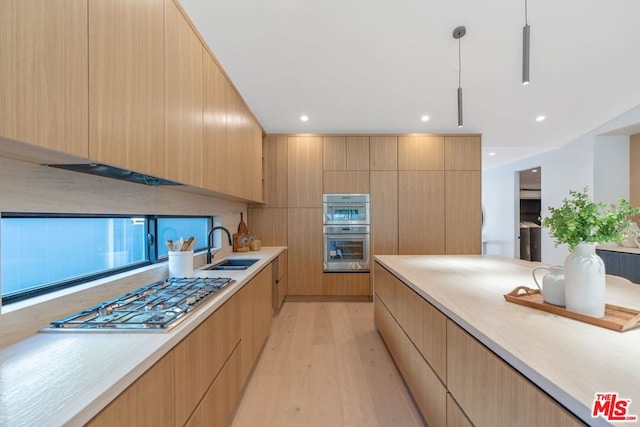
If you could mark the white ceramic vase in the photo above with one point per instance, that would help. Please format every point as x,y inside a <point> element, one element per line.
<point>584,281</point>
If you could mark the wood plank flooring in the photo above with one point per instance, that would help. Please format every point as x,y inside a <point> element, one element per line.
<point>324,364</point>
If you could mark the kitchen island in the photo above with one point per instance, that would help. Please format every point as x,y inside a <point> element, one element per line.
<point>67,378</point>
<point>561,363</point>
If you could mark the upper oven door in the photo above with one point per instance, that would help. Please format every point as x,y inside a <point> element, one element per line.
<point>346,208</point>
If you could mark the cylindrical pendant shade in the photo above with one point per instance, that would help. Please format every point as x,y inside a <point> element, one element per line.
<point>459,107</point>
<point>526,38</point>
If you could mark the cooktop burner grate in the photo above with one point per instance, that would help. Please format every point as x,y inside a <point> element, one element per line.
<point>154,307</point>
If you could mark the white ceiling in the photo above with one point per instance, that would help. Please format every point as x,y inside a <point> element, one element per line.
<point>376,66</point>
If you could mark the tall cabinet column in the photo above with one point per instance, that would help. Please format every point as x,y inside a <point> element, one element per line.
<point>304,229</point>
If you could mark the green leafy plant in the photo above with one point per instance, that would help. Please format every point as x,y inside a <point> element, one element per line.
<point>580,220</point>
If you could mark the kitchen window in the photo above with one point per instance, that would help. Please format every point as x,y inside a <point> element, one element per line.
<point>41,253</point>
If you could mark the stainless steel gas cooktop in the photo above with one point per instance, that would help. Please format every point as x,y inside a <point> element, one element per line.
<point>153,308</point>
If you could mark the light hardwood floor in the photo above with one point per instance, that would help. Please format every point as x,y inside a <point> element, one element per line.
<point>324,364</point>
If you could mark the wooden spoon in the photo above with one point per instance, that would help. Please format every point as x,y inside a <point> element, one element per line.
<point>186,246</point>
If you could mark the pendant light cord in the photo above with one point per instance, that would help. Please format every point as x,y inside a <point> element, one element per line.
<point>459,65</point>
<point>526,18</point>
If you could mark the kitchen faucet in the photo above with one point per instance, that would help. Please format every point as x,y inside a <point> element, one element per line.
<point>210,235</point>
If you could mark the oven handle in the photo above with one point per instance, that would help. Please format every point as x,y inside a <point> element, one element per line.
<point>347,235</point>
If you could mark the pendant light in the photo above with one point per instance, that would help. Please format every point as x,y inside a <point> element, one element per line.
<point>458,33</point>
<point>526,39</point>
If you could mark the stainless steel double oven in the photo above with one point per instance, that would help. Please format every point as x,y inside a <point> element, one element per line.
<point>346,232</point>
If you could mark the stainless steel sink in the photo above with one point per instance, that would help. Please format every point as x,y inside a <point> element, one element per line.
<point>233,264</point>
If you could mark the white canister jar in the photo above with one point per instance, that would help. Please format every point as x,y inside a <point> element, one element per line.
<point>552,287</point>
<point>584,281</point>
<point>181,264</point>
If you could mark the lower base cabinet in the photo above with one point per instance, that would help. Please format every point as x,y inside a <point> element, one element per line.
<point>455,416</point>
<point>147,402</point>
<point>454,379</point>
<point>199,381</point>
<point>219,401</point>
<point>346,284</point>
<point>428,392</point>
<point>255,318</point>
<point>493,393</point>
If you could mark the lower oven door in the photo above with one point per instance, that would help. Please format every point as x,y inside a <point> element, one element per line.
<point>346,252</point>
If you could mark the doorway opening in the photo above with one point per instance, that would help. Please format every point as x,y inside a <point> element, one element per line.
<point>529,214</point>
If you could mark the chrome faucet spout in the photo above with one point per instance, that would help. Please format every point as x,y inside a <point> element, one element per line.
<point>210,244</point>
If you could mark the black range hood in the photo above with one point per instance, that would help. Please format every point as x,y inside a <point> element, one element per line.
<point>116,173</point>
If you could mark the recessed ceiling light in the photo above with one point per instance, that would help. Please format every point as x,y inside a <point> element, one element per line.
<point>492,153</point>
<point>534,170</point>
<point>304,118</point>
<point>424,118</point>
<point>540,118</point>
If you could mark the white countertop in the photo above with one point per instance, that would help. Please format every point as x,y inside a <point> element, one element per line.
<point>66,378</point>
<point>570,360</point>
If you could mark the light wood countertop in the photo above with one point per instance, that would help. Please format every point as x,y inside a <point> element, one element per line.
<point>618,248</point>
<point>66,378</point>
<point>569,360</point>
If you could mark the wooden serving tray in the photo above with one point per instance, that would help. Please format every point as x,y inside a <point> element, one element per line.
<point>616,318</point>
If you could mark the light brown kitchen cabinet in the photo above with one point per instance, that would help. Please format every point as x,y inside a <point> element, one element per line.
<point>218,403</point>
<point>383,153</point>
<point>455,416</point>
<point>275,171</point>
<point>255,303</point>
<point>421,152</point>
<point>358,153</point>
<point>127,84</point>
<point>281,287</point>
<point>346,284</point>
<point>462,153</point>
<point>215,157</point>
<point>472,370</point>
<point>269,225</point>
<point>428,391</point>
<point>345,182</point>
<point>245,150</point>
<point>304,174</point>
<point>384,212</point>
<point>434,339</point>
<point>232,140</point>
<point>201,355</point>
<point>463,207</point>
<point>44,77</point>
<point>342,153</point>
<point>334,153</point>
<point>421,212</point>
<point>305,251</point>
<point>183,120</point>
<point>149,401</point>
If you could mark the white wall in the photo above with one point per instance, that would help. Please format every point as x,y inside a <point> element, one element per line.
<point>598,161</point>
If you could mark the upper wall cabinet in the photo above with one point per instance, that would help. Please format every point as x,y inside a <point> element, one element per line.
<point>383,153</point>
<point>127,84</point>
<point>275,171</point>
<point>183,59</point>
<point>345,153</point>
<point>232,139</point>
<point>43,73</point>
<point>462,153</point>
<point>215,125</point>
<point>421,152</point>
<point>304,172</point>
